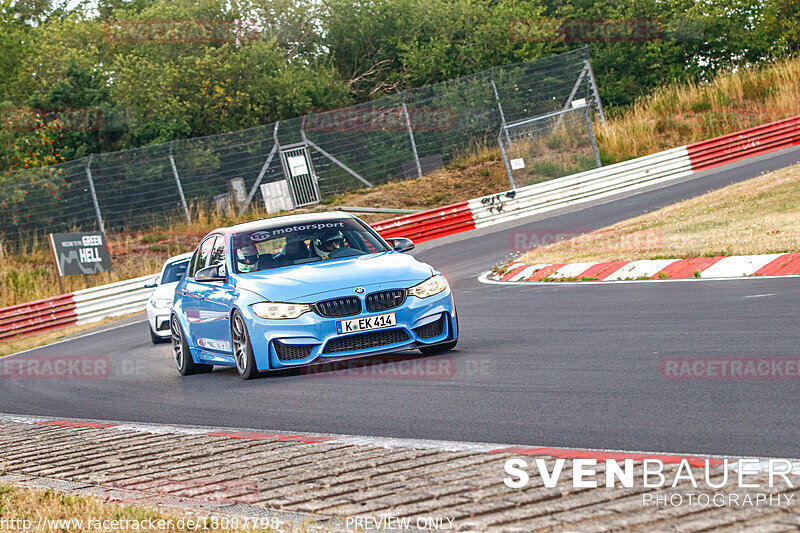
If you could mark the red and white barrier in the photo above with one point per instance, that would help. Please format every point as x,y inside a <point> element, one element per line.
<point>428,225</point>
<point>37,317</point>
<point>74,309</point>
<point>699,267</point>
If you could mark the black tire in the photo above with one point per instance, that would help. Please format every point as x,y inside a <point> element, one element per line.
<point>155,339</point>
<point>180,349</point>
<point>242,348</point>
<point>441,348</point>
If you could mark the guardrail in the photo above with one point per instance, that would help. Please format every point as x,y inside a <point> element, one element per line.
<point>76,308</point>
<point>112,300</point>
<point>427,225</point>
<point>746,143</point>
<point>37,317</point>
<point>97,303</point>
<point>586,186</point>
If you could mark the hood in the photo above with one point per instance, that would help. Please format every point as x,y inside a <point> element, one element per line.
<point>164,292</point>
<point>296,283</point>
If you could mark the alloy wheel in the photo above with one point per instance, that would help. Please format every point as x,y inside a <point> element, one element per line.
<point>239,344</point>
<point>177,342</point>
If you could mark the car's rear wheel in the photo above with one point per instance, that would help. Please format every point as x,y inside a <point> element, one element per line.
<point>180,349</point>
<point>242,348</point>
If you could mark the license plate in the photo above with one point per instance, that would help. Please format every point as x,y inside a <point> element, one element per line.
<point>355,325</point>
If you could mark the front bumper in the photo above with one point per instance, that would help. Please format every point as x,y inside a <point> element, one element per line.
<point>159,320</point>
<point>312,338</point>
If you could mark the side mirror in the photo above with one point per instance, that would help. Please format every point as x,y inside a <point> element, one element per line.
<point>401,244</point>
<point>209,274</point>
<point>151,285</point>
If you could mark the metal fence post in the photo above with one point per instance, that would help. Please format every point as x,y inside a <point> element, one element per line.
<point>263,170</point>
<point>505,158</point>
<point>94,193</point>
<point>411,136</point>
<point>341,165</point>
<point>591,137</point>
<point>500,108</point>
<point>178,183</point>
<point>503,131</point>
<point>593,84</point>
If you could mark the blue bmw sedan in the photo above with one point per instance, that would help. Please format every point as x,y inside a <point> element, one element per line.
<point>305,289</point>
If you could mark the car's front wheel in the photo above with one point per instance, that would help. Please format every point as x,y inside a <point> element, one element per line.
<point>242,348</point>
<point>183,357</point>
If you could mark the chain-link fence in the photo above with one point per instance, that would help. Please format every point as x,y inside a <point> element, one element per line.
<point>401,136</point>
<point>549,146</point>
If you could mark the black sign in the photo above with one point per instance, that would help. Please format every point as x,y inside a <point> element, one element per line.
<point>80,253</point>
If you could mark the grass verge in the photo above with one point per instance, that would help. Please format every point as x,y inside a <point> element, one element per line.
<point>684,113</point>
<point>757,216</point>
<point>24,509</point>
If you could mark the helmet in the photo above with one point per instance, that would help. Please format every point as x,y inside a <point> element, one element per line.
<point>247,258</point>
<point>328,242</point>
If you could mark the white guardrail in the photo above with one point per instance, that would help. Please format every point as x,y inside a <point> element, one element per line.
<point>114,299</point>
<point>584,187</point>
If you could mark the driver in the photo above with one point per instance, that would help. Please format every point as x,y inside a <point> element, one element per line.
<point>328,243</point>
<point>247,258</point>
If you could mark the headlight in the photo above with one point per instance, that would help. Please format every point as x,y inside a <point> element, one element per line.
<point>277,310</point>
<point>161,304</point>
<point>429,287</point>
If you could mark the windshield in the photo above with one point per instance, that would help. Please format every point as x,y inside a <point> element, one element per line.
<point>173,272</point>
<point>302,243</point>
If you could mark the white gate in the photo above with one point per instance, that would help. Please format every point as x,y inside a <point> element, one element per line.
<point>299,172</point>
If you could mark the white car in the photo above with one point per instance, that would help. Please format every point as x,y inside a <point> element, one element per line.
<point>160,302</point>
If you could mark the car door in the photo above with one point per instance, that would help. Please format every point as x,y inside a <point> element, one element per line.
<point>193,291</point>
<point>215,302</point>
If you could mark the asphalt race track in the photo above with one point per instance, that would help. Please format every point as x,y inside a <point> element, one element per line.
<point>573,366</point>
